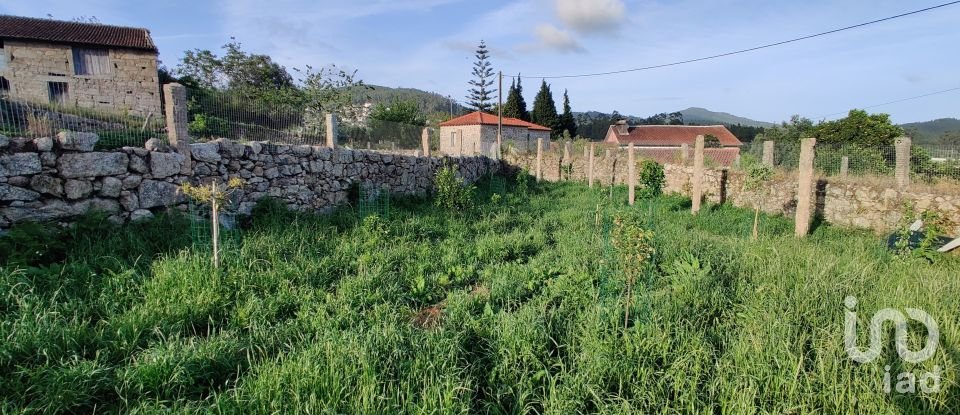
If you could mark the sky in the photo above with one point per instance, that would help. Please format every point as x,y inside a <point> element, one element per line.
<point>428,44</point>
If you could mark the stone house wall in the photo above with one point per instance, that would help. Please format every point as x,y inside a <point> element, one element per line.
<point>519,138</point>
<point>131,87</point>
<point>57,178</point>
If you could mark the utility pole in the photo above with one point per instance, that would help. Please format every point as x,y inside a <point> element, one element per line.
<point>450,98</point>
<point>500,114</point>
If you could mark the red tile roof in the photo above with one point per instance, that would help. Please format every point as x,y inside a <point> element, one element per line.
<point>722,157</point>
<point>482,118</point>
<point>57,31</point>
<point>671,135</point>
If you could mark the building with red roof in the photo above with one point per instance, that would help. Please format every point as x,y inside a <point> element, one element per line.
<point>476,133</point>
<point>663,143</point>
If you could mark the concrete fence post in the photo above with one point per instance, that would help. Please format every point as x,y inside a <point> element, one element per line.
<point>768,153</point>
<point>805,187</point>
<point>902,171</point>
<point>331,121</point>
<point>844,166</point>
<point>566,151</point>
<point>590,167</point>
<point>631,176</point>
<point>696,195</point>
<point>539,158</point>
<point>175,101</point>
<point>425,142</point>
<point>684,154</point>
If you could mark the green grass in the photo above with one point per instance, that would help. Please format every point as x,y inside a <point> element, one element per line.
<point>514,307</point>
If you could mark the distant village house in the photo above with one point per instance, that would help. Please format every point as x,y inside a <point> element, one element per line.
<point>662,143</point>
<point>476,133</point>
<point>79,64</point>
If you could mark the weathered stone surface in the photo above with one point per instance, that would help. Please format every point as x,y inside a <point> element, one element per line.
<point>74,165</point>
<point>77,189</point>
<point>43,143</point>
<point>11,193</point>
<point>4,141</point>
<point>51,210</point>
<point>154,144</point>
<point>138,165</point>
<point>19,164</point>
<point>20,181</point>
<point>110,187</point>
<point>140,214</point>
<point>48,159</point>
<point>153,193</point>
<point>165,164</point>
<point>47,185</point>
<point>129,201</point>
<point>206,152</point>
<point>131,182</point>
<point>77,141</point>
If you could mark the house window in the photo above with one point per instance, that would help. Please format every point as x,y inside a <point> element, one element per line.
<point>58,92</point>
<point>4,86</point>
<point>453,139</point>
<point>91,61</point>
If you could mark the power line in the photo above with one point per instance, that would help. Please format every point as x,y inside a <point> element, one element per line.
<point>769,45</point>
<point>894,102</point>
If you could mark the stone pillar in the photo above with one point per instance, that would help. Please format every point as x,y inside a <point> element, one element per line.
<point>590,166</point>
<point>768,153</point>
<point>331,121</point>
<point>425,142</point>
<point>805,187</point>
<point>902,171</point>
<point>566,151</point>
<point>175,101</point>
<point>539,158</point>
<point>696,195</point>
<point>844,166</point>
<point>631,176</point>
<point>684,154</point>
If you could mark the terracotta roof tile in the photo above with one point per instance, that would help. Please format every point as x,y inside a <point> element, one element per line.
<point>57,31</point>
<point>482,118</point>
<point>722,157</point>
<point>671,135</point>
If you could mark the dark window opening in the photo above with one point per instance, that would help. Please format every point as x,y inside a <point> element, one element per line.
<point>55,74</point>
<point>91,61</point>
<point>58,92</point>
<point>4,86</point>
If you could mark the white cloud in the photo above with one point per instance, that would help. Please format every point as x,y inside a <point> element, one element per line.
<point>551,37</point>
<point>591,16</point>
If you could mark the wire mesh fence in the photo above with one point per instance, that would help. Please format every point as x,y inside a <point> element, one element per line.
<point>116,127</point>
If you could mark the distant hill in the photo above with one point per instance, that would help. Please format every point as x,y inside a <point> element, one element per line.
<point>696,115</point>
<point>429,102</point>
<point>934,132</point>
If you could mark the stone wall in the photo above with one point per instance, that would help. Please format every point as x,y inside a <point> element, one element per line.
<point>58,178</point>
<point>131,86</point>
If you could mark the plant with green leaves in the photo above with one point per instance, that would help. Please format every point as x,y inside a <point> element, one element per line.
<point>215,195</point>
<point>452,194</point>
<point>755,175</point>
<point>651,179</point>
<point>634,244</point>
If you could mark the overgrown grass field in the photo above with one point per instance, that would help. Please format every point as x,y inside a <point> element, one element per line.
<point>513,306</point>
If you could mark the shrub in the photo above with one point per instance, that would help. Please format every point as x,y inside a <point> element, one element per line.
<point>204,125</point>
<point>651,179</point>
<point>452,193</point>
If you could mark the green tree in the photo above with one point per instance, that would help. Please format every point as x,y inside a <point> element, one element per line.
<point>399,111</point>
<point>860,128</point>
<point>328,90</point>
<point>479,96</point>
<point>797,128</point>
<point>566,122</point>
<point>515,106</point>
<point>545,109</point>
<point>237,69</point>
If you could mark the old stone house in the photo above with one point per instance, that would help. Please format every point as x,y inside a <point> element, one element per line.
<point>663,143</point>
<point>476,133</point>
<point>79,64</point>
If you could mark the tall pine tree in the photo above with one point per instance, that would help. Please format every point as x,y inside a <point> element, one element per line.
<point>567,122</point>
<point>515,107</point>
<point>479,96</point>
<point>545,109</point>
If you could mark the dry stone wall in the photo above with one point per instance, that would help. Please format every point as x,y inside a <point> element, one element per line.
<point>59,178</point>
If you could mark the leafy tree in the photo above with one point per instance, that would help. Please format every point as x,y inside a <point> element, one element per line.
<point>328,90</point>
<point>479,96</point>
<point>797,128</point>
<point>566,122</point>
<point>860,128</point>
<point>515,106</point>
<point>711,141</point>
<point>545,109</point>
<point>237,69</point>
<point>399,111</point>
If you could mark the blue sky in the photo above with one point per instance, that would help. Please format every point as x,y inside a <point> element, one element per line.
<point>428,44</point>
